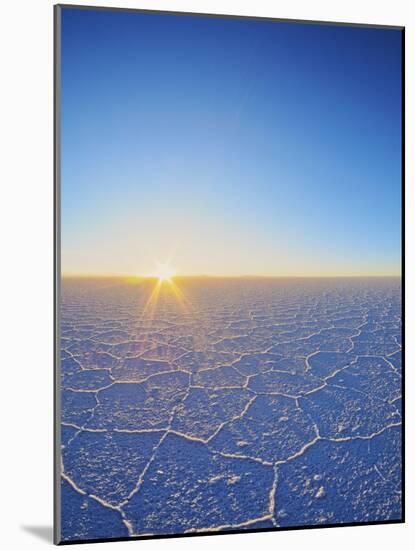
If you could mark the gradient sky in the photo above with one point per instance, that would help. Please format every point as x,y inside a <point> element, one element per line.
<point>231,147</point>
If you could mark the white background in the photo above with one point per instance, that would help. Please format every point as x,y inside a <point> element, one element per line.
<point>26,317</point>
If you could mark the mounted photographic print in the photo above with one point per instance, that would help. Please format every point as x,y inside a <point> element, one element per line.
<point>228,246</point>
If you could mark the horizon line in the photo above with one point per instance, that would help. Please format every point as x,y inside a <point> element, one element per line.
<point>222,276</point>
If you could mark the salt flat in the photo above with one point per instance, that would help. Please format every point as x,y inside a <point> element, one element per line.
<point>229,404</point>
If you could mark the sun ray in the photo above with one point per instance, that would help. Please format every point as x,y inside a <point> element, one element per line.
<point>179,295</point>
<point>153,299</point>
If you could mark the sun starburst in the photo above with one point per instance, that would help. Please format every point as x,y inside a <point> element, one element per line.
<point>164,273</point>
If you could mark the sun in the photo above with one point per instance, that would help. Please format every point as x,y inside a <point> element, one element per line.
<point>164,273</point>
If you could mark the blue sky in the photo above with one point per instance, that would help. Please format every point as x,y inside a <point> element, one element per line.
<point>224,146</point>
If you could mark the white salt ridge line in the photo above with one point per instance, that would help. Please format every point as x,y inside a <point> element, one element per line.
<point>242,457</point>
<point>314,390</point>
<point>272,495</point>
<point>151,376</point>
<point>361,437</point>
<point>300,452</point>
<point>184,435</point>
<point>288,396</point>
<point>139,431</point>
<point>112,430</point>
<point>227,526</point>
<point>80,428</point>
<point>73,484</point>
<point>77,390</point>
<point>118,381</point>
<point>70,425</point>
<point>394,399</point>
<point>395,352</point>
<point>215,388</point>
<point>308,366</point>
